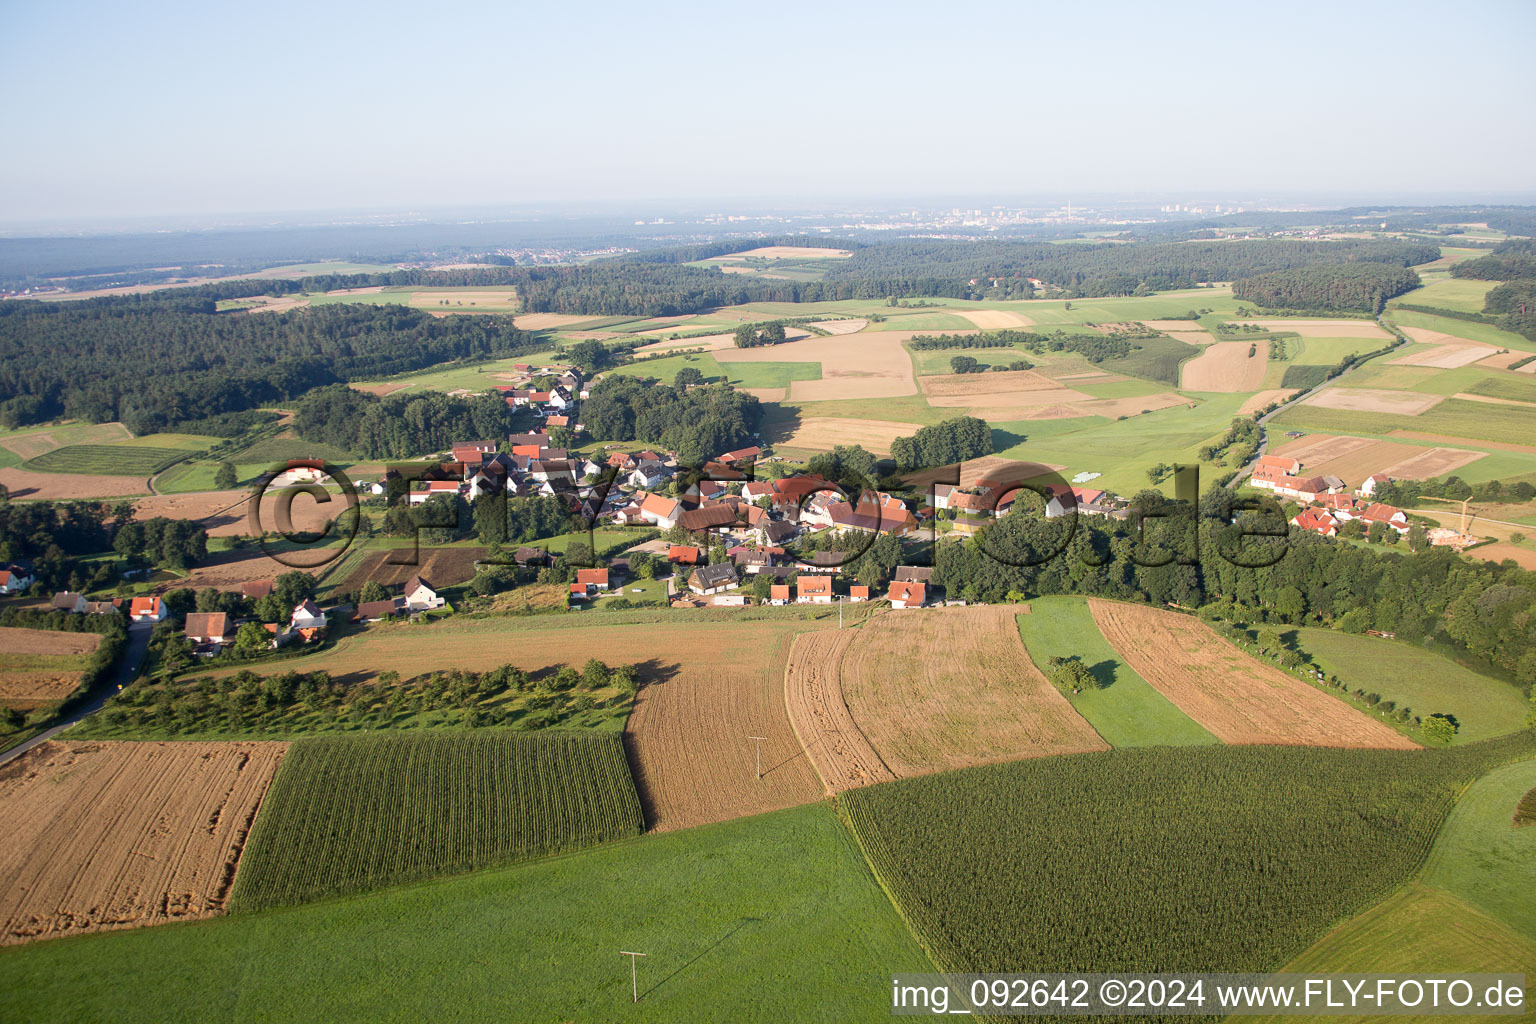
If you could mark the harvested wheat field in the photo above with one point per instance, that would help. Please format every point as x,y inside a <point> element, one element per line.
<point>946,688</point>
<point>1398,403</point>
<point>1323,328</point>
<point>838,327</point>
<point>23,483</point>
<point>864,365</point>
<point>1227,366</point>
<point>708,342</point>
<point>30,446</point>
<point>40,666</point>
<point>992,319</point>
<point>116,835</point>
<point>1354,458</point>
<point>972,470</point>
<point>227,513</point>
<point>823,433</point>
<point>1261,399</point>
<point>1467,396</point>
<point>1237,698</point>
<point>813,695</point>
<point>767,394</point>
<point>1001,382</point>
<point>1446,356</point>
<point>380,390</point>
<point>1501,360</point>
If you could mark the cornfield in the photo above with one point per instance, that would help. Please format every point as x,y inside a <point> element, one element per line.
<point>1156,859</point>
<point>346,814</point>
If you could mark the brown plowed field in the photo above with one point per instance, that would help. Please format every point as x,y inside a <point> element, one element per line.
<point>23,483</point>
<point>943,688</point>
<point>117,835</point>
<point>442,567</point>
<point>813,695</point>
<point>1259,400</point>
<point>823,433</point>
<point>227,513</point>
<point>1352,459</point>
<point>1238,698</point>
<point>41,666</point>
<point>992,319</point>
<point>1226,366</point>
<point>871,364</point>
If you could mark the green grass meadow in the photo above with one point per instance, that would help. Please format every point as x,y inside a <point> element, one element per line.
<point>1420,679</point>
<point>1126,711</point>
<point>769,918</point>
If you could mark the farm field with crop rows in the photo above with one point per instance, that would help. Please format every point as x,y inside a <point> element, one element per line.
<point>359,813</point>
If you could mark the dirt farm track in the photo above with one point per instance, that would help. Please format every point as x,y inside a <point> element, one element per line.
<point>117,835</point>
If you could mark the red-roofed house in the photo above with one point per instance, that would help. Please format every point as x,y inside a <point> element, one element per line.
<point>592,579</point>
<point>778,593</point>
<point>907,595</point>
<point>1387,515</point>
<point>661,512</point>
<point>147,609</point>
<point>813,590</point>
<point>1287,466</point>
<point>678,554</point>
<point>858,593</point>
<point>1315,520</point>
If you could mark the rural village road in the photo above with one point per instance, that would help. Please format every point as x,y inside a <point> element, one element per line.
<point>128,666</point>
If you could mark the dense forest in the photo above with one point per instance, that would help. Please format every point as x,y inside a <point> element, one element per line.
<point>55,535</point>
<point>1092,347</point>
<point>1484,610</point>
<point>1509,261</point>
<point>1342,287</point>
<point>154,364</point>
<point>698,423</point>
<point>399,426</point>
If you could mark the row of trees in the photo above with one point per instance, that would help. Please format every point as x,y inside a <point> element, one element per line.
<point>154,364</point>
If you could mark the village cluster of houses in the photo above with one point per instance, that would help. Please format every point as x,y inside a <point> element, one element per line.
<point>210,632</point>
<point>1330,503</point>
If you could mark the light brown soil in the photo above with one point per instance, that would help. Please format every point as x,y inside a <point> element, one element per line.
<point>14,640</point>
<point>117,835</point>
<point>1226,366</point>
<point>442,567</point>
<point>1444,356</point>
<point>708,342</point>
<point>822,433</point>
<point>24,483</point>
<point>813,694</point>
<point>1501,360</point>
<point>767,394</point>
<point>836,327</point>
<point>1237,698</point>
<point>1003,381</point>
<point>1398,403</point>
<point>865,365</point>
<point>1192,337</point>
<point>992,319</point>
<point>1352,459</point>
<point>1260,399</point>
<point>381,389</point>
<point>941,688</point>
<point>227,513</point>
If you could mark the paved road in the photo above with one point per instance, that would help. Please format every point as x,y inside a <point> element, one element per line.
<point>1247,470</point>
<point>127,668</point>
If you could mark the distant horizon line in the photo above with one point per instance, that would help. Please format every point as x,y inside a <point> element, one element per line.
<point>1254,201</point>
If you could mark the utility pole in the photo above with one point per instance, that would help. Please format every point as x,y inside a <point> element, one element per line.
<point>759,740</point>
<point>634,985</point>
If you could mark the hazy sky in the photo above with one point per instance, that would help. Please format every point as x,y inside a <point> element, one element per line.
<point>129,109</point>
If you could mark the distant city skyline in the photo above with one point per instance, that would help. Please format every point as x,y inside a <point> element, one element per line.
<point>190,111</point>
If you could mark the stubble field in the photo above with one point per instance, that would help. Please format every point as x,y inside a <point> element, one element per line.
<point>1235,697</point>
<point>117,835</point>
<point>952,687</point>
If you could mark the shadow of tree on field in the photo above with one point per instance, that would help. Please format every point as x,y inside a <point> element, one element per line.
<point>1104,672</point>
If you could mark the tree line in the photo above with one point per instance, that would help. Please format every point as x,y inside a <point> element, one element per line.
<point>942,444</point>
<point>154,365</point>
<point>401,425</point>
